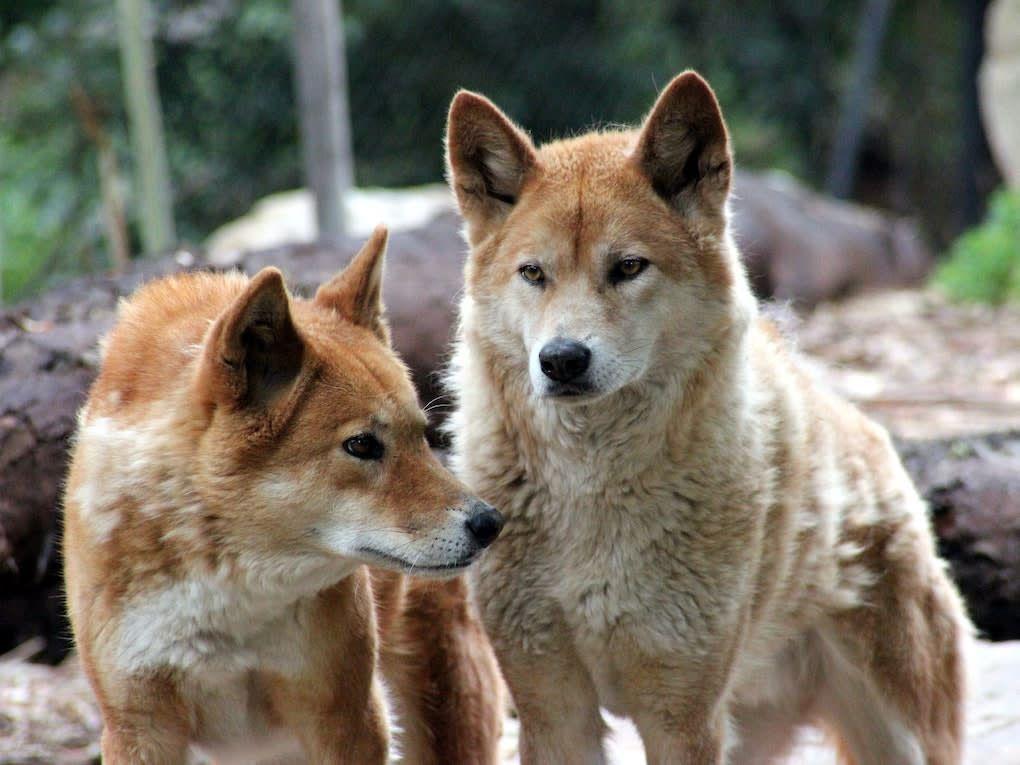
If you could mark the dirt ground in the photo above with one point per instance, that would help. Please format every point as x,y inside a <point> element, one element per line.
<point>922,366</point>
<point>993,720</point>
<point>48,717</point>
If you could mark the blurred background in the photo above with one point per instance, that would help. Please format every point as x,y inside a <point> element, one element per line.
<point>877,194</point>
<point>870,100</point>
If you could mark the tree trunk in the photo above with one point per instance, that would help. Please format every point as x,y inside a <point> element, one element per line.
<point>141,93</point>
<point>975,156</point>
<point>109,178</point>
<point>321,78</point>
<point>853,106</point>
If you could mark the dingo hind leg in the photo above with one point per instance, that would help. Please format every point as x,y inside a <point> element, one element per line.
<point>766,733</point>
<point>442,676</point>
<point>893,679</point>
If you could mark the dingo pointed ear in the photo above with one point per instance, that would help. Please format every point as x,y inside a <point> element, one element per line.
<point>684,148</point>
<point>356,292</point>
<point>487,160</point>
<point>253,351</point>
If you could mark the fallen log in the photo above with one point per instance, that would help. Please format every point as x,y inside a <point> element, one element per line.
<point>972,486</point>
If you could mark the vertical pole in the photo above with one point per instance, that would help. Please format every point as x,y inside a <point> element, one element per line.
<point>974,151</point>
<point>146,120</point>
<point>321,79</point>
<point>853,105</point>
<point>109,178</point>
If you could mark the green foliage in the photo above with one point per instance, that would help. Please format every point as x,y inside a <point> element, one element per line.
<point>228,105</point>
<point>50,220</point>
<point>557,66</point>
<point>984,263</point>
<point>562,66</point>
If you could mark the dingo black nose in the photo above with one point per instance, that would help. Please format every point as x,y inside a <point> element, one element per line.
<point>564,360</point>
<point>484,523</point>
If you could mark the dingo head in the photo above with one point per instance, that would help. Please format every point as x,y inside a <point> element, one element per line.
<point>604,260</point>
<point>315,443</point>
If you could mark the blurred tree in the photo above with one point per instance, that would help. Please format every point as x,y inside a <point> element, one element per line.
<point>109,177</point>
<point>224,69</point>
<point>320,65</point>
<point>850,124</point>
<point>975,167</point>
<point>50,206</point>
<point>141,94</point>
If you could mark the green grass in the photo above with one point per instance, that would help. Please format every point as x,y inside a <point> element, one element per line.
<point>50,218</point>
<point>984,263</point>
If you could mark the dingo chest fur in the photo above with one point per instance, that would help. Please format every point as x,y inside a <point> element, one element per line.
<point>697,536</point>
<point>241,456</point>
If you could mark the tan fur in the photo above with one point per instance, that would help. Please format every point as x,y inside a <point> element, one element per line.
<point>698,537</point>
<point>216,531</point>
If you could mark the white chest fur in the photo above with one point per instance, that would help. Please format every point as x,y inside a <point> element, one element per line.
<point>208,626</point>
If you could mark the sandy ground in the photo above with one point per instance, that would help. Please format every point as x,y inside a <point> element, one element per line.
<point>993,724</point>
<point>48,715</point>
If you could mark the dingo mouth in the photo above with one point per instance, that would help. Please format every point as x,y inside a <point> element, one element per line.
<point>574,392</point>
<point>393,561</point>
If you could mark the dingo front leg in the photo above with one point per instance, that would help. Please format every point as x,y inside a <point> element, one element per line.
<point>557,706</point>
<point>144,721</point>
<point>680,709</point>
<point>695,740</point>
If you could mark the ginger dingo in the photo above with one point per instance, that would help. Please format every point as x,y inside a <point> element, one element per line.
<point>242,454</point>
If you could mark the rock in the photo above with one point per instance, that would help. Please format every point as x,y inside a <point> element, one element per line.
<point>798,245</point>
<point>804,247</point>
<point>47,715</point>
<point>999,86</point>
<point>288,218</point>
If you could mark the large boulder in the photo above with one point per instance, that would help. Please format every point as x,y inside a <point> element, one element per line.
<point>804,247</point>
<point>972,486</point>
<point>799,246</point>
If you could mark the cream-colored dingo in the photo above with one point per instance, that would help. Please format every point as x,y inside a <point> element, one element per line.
<point>698,537</point>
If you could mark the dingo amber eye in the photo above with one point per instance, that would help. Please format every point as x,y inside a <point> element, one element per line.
<point>364,446</point>
<point>532,273</point>
<point>627,268</point>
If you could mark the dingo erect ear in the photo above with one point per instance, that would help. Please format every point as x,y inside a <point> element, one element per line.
<point>684,147</point>
<point>356,292</point>
<point>253,349</point>
<point>487,159</point>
